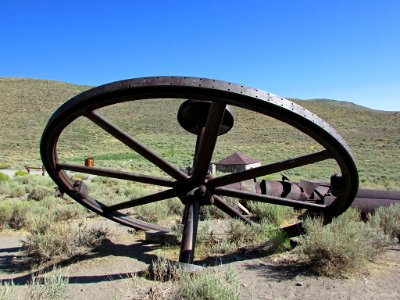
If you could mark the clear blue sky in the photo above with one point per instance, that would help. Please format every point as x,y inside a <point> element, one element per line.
<point>339,49</point>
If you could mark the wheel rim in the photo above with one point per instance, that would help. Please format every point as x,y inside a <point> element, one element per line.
<point>219,94</point>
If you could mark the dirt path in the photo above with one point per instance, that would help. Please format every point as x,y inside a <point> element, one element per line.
<point>280,279</point>
<point>108,273</point>
<point>11,172</point>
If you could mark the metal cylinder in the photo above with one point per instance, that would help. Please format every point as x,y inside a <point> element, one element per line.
<point>368,200</point>
<point>89,162</point>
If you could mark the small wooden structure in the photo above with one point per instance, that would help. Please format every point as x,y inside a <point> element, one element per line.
<point>237,162</point>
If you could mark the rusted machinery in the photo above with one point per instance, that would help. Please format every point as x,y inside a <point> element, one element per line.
<point>366,200</point>
<point>207,113</point>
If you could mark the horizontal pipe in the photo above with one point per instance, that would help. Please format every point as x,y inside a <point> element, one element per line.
<point>378,194</point>
<point>369,205</point>
<point>366,200</point>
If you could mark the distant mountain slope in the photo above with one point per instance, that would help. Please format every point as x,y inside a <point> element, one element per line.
<point>338,103</point>
<point>27,104</point>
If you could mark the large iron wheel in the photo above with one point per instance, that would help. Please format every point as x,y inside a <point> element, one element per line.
<point>197,188</point>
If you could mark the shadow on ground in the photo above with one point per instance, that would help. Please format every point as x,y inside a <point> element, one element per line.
<point>141,251</point>
<point>281,271</point>
<point>12,264</point>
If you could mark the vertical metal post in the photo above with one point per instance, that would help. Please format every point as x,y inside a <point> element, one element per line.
<point>190,224</point>
<point>191,214</point>
<point>196,150</point>
<point>198,143</point>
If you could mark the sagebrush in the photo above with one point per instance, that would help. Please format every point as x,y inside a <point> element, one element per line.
<point>387,219</point>
<point>343,246</point>
<point>48,241</point>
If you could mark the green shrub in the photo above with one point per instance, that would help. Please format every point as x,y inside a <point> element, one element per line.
<point>175,206</point>
<point>152,212</point>
<point>133,192</point>
<point>387,219</point>
<point>54,286</point>
<point>244,235</point>
<point>21,173</point>
<point>20,214</point>
<point>39,219</point>
<point>4,188</point>
<point>7,290</point>
<point>47,241</point>
<point>274,214</point>
<point>12,189</point>
<point>17,191</point>
<point>65,212</point>
<point>4,165</point>
<point>212,212</point>
<point>162,269</point>
<point>177,229</point>
<point>199,284</point>
<point>17,214</point>
<point>39,193</point>
<point>342,246</point>
<point>4,177</point>
<point>34,181</point>
<point>208,284</point>
<point>204,232</point>
<point>6,212</point>
<point>109,182</point>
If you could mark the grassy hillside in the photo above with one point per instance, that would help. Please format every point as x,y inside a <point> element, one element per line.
<point>26,105</point>
<point>374,137</point>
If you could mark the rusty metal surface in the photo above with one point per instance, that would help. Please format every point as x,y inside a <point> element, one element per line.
<point>378,194</point>
<point>217,119</point>
<point>192,116</point>
<point>367,200</point>
<point>369,205</point>
<point>190,225</point>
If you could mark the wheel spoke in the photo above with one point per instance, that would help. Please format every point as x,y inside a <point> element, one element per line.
<point>136,145</point>
<point>229,210</point>
<point>269,169</point>
<point>208,140</point>
<point>144,200</point>
<point>134,223</point>
<point>267,199</point>
<point>117,174</point>
<point>190,224</point>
